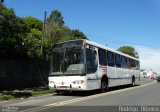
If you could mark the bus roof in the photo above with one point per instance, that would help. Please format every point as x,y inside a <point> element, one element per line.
<point>109,49</point>
<point>103,47</point>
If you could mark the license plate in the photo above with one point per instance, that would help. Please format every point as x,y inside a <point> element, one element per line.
<point>62,86</point>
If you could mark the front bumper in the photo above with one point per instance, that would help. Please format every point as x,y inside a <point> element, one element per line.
<point>67,88</point>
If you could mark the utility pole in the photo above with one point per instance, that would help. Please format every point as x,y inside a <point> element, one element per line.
<point>44,24</point>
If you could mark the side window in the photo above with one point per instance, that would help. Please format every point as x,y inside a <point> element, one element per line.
<point>129,63</point>
<point>111,59</point>
<point>91,58</point>
<point>118,60</point>
<point>133,64</point>
<point>124,62</point>
<point>102,57</point>
<point>137,65</point>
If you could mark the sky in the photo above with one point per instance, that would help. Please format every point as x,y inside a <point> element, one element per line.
<point>114,23</point>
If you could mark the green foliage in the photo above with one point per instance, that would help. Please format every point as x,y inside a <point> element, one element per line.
<point>78,34</point>
<point>32,43</point>
<point>56,18</point>
<point>33,23</point>
<point>6,97</point>
<point>55,30</point>
<point>33,38</point>
<point>12,30</point>
<point>23,94</point>
<point>22,37</point>
<point>129,50</point>
<point>41,92</point>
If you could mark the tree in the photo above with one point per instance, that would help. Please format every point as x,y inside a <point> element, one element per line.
<point>1,7</point>
<point>56,18</point>
<point>78,34</point>
<point>53,34</point>
<point>33,23</point>
<point>12,31</point>
<point>33,38</point>
<point>129,50</point>
<point>54,29</point>
<point>22,37</point>
<point>32,43</point>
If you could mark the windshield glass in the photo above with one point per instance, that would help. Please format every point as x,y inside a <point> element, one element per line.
<point>68,61</point>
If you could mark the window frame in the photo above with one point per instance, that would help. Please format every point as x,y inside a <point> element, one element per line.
<point>110,55</point>
<point>124,62</point>
<point>102,57</point>
<point>96,60</point>
<point>118,60</point>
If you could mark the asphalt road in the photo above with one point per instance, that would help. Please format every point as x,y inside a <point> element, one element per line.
<point>114,100</point>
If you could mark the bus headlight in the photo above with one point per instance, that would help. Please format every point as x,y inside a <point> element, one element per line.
<point>78,82</point>
<point>51,82</point>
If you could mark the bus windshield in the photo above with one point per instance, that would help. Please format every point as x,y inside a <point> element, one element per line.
<point>68,61</point>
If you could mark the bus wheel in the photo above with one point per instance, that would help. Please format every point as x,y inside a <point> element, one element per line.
<point>104,86</point>
<point>133,81</point>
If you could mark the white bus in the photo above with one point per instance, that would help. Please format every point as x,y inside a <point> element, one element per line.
<point>82,65</point>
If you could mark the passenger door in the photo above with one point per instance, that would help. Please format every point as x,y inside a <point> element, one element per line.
<point>92,67</point>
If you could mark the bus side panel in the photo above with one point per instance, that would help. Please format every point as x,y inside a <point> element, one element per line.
<point>122,76</point>
<point>111,75</point>
<point>137,75</point>
<point>93,82</point>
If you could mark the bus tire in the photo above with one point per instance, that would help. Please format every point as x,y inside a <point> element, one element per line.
<point>104,85</point>
<point>133,81</point>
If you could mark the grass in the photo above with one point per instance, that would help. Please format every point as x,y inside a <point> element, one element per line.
<point>7,95</point>
<point>41,92</point>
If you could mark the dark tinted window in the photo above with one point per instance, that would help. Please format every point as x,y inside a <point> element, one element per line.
<point>124,62</point>
<point>131,64</point>
<point>91,58</point>
<point>102,57</point>
<point>118,60</point>
<point>137,65</point>
<point>68,61</point>
<point>111,59</point>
